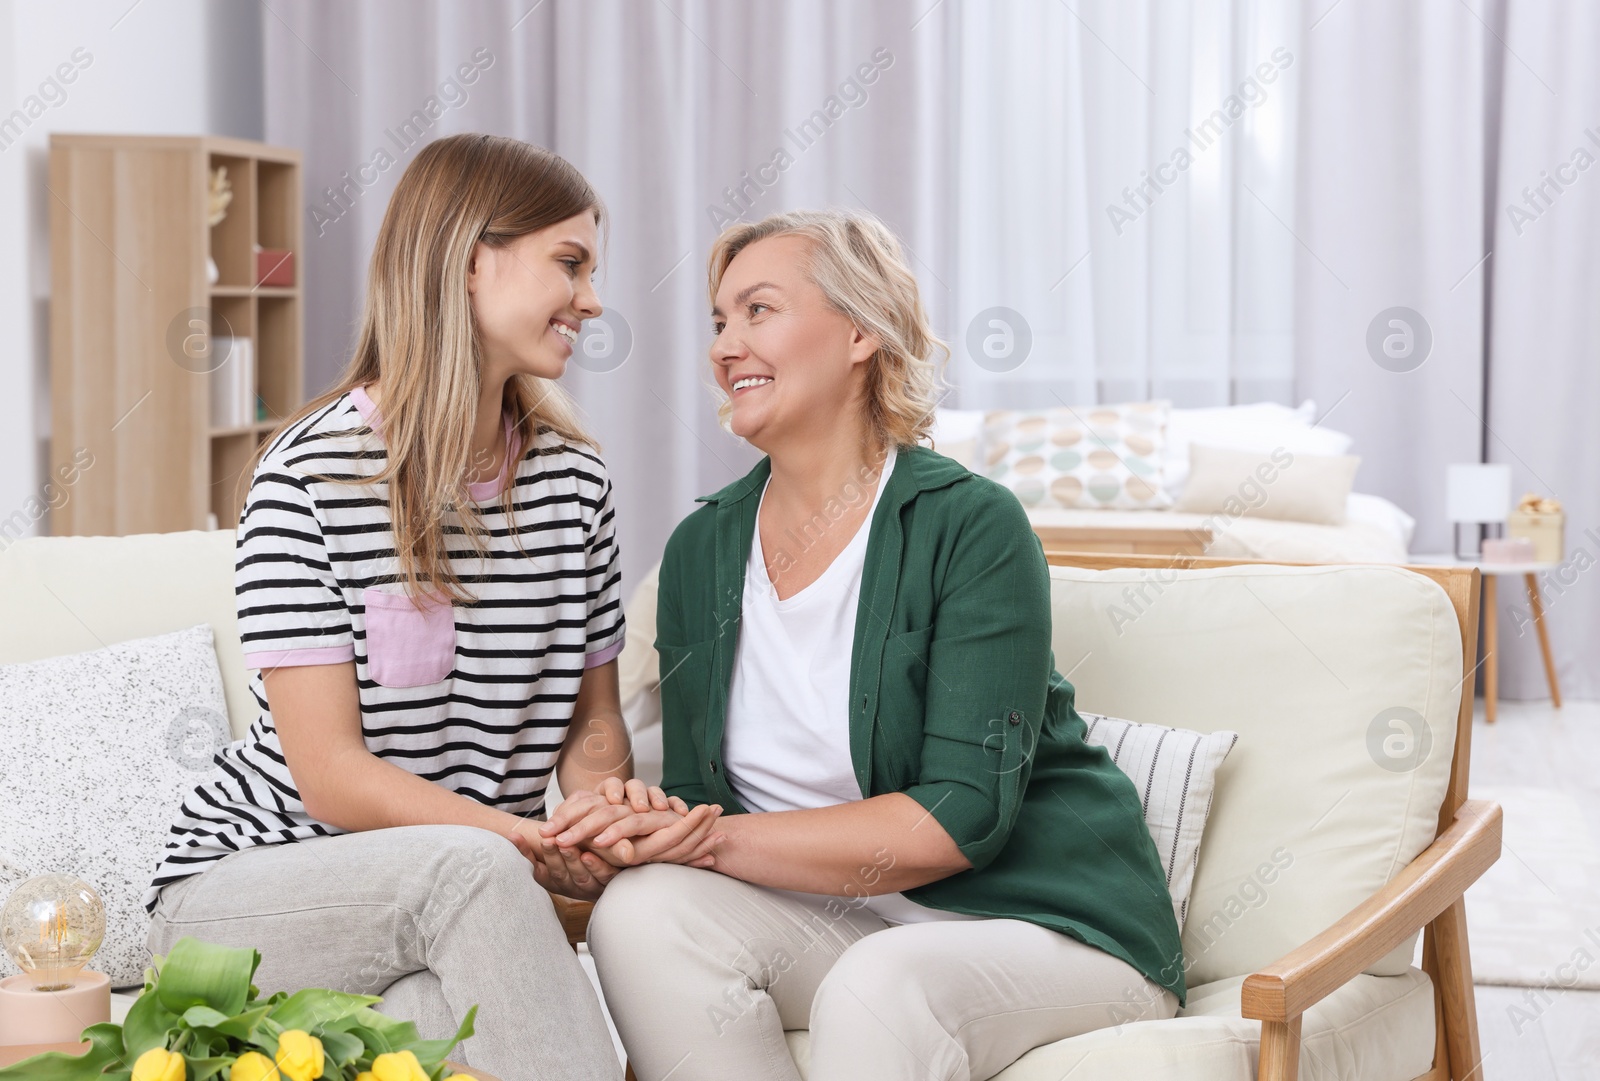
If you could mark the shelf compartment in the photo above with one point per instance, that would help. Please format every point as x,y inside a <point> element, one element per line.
<point>233,239</point>
<point>278,355</point>
<point>230,454</point>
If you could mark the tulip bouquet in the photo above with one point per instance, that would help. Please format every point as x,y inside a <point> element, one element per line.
<point>199,1017</point>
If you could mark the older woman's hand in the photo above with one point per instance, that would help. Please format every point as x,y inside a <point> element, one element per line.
<point>583,813</point>
<point>641,824</point>
<point>645,838</point>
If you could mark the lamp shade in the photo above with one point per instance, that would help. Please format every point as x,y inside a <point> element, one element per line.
<point>1477,493</point>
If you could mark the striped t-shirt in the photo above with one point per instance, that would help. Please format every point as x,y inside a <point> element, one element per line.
<point>478,698</point>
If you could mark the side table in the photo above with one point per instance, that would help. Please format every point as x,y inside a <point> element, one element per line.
<point>1489,615</point>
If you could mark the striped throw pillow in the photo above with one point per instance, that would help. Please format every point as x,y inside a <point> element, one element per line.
<point>1175,771</point>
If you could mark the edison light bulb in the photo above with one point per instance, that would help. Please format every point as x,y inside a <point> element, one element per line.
<point>51,926</point>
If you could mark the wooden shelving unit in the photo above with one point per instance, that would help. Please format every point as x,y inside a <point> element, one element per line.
<point>132,313</point>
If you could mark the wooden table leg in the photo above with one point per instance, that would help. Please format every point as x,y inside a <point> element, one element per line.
<point>1537,604</point>
<point>1491,645</point>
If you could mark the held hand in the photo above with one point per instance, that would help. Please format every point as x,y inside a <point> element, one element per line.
<point>584,814</point>
<point>640,797</point>
<point>571,872</point>
<point>661,837</point>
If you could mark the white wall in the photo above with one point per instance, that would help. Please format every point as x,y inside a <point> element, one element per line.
<point>157,67</point>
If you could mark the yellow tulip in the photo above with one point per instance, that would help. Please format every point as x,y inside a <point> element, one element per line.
<point>398,1066</point>
<point>253,1066</point>
<point>159,1064</point>
<point>365,1075</point>
<point>299,1055</point>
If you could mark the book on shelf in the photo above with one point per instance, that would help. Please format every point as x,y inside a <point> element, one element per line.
<point>233,382</point>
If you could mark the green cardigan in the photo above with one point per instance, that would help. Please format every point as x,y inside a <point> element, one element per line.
<point>954,700</point>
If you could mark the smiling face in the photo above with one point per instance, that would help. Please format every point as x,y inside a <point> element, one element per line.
<point>793,367</point>
<point>531,295</point>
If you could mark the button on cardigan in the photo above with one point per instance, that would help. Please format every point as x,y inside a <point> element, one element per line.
<point>956,700</point>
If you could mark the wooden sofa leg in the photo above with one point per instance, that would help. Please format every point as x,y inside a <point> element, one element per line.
<point>1454,987</point>
<point>1280,1051</point>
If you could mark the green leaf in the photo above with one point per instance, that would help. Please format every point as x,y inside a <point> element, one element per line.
<point>204,1017</point>
<point>397,1032</point>
<point>313,1008</point>
<point>105,1049</point>
<point>147,1025</point>
<point>202,1068</point>
<point>341,1047</point>
<point>430,1053</point>
<point>374,1043</point>
<point>204,974</point>
<point>239,1027</point>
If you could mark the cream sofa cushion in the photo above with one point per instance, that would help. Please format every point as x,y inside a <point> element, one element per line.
<point>82,593</point>
<point>1376,1028</point>
<point>1325,673</point>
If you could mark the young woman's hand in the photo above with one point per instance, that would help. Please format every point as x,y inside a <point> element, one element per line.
<point>570,872</point>
<point>583,814</point>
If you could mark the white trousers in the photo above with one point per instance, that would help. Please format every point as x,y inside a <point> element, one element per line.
<point>703,974</point>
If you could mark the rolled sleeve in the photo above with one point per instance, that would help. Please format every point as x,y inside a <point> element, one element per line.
<point>990,663</point>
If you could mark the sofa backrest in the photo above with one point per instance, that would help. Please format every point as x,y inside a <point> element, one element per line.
<point>72,594</point>
<point>1344,684</point>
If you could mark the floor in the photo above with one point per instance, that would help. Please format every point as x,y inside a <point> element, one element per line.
<point>1527,1034</point>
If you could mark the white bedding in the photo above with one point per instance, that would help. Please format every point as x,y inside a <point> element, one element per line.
<point>1374,531</point>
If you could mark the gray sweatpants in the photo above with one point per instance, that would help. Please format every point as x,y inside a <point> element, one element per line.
<point>433,918</point>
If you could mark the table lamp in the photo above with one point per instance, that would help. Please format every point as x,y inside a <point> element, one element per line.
<point>1477,494</point>
<point>50,927</point>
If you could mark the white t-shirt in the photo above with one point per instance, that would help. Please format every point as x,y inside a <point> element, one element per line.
<point>786,740</point>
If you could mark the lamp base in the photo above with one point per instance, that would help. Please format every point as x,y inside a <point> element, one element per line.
<point>31,1016</point>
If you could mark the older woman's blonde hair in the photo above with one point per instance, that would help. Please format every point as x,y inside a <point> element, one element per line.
<point>855,260</point>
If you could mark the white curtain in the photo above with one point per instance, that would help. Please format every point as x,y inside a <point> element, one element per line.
<point>1392,154</point>
<point>1004,143</point>
<point>1544,371</point>
<point>1214,201</point>
<point>1126,170</point>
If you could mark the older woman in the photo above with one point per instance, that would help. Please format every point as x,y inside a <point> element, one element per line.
<point>934,873</point>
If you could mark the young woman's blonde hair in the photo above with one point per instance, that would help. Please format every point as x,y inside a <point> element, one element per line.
<point>419,340</point>
<point>855,260</point>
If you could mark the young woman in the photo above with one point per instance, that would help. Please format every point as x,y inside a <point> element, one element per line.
<point>938,873</point>
<point>428,583</point>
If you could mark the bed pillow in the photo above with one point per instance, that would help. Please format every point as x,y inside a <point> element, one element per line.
<point>98,749</point>
<point>955,434</point>
<point>1175,771</point>
<point>1287,486</point>
<point>1093,457</point>
<point>1259,426</point>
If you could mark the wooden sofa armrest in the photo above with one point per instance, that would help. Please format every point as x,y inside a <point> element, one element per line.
<point>574,917</point>
<point>1432,882</point>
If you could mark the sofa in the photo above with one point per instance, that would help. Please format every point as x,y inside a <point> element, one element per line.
<point>1321,862</point>
<point>1313,666</point>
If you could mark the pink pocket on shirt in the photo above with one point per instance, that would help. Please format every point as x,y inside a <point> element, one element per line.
<point>407,646</point>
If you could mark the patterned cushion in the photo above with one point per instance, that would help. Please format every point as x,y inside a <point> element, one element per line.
<point>1091,457</point>
<point>96,752</point>
<point>1175,771</point>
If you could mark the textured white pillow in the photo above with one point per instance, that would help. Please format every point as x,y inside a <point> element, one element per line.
<point>1260,426</point>
<point>1175,771</point>
<point>98,749</point>
<point>1290,487</point>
